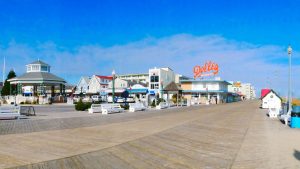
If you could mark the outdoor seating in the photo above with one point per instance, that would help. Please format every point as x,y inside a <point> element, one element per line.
<point>136,107</point>
<point>9,112</point>
<point>111,108</point>
<point>95,108</point>
<point>162,105</point>
<point>273,112</point>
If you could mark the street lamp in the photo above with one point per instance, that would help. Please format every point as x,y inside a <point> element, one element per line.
<point>113,85</point>
<point>289,50</point>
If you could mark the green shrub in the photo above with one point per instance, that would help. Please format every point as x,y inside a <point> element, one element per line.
<point>153,103</point>
<point>159,100</point>
<point>81,106</point>
<point>21,102</point>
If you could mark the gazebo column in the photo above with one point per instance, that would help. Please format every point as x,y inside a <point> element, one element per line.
<point>64,89</point>
<point>52,91</point>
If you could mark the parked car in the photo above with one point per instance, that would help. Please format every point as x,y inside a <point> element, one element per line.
<point>96,98</point>
<point>87,99</point>
<point>130,100</point>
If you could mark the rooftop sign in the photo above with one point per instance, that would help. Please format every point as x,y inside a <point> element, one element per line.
<point>208,69</point>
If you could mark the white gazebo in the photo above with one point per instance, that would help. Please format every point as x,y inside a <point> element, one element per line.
<point>38,77</point>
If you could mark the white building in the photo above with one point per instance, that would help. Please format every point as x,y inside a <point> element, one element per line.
<point>160,78</point>
<point>83,85</point>
<point>98,84</point>
<point>271,100</point>
<point>142,77</point>
<point>120,86</point>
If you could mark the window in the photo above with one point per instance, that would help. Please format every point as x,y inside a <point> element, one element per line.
<point>44,68</point>
<point>156,86</point>
<point>152,86</point>
<point>204,85</point>
<point>154,79</point>
<point>35,67</point>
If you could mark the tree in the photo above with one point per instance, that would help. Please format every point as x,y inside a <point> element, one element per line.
<point>6,88</point>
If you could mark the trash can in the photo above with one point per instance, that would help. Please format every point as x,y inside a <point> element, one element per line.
<point>295,117</point>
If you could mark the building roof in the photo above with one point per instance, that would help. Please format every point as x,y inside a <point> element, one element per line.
<point>270,92</point>
<point>172,86</point>
<point>40,63</point>
<point>104,77</point>
<point>134,74</point>
<point>38,77</point>
<point>264,92</point>
<point>86,78</point>
<point>206,80</point>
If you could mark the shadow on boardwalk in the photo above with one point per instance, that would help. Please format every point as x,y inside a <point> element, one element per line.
<point>297,154</point>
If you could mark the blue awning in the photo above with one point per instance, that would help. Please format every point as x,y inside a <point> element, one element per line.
<point>134,91</point>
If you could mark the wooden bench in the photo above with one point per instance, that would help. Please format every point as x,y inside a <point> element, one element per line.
<point>136,107</point>
<point>111,108</point>
<point>95,108</point>
<point>162,105</point>
<point>9,112</point>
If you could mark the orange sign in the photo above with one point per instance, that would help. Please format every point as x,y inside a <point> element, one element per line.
<point>236,84</point>
<point>209,69</point>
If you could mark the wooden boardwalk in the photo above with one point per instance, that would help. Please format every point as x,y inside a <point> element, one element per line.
<point>223,136</point>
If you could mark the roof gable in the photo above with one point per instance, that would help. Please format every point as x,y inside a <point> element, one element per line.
<point>271,91</point>
<point>104,77</point>
<point>172,86</point>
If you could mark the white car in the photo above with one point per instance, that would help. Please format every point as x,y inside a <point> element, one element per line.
<point>96,98</point>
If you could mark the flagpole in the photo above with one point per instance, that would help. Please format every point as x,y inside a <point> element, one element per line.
<point>3,75</point>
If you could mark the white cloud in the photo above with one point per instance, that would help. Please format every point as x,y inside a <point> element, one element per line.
<point>237,60</point>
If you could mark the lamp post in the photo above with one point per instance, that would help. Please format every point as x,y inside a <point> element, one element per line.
<point>113,85</point>
<point>289,50</point>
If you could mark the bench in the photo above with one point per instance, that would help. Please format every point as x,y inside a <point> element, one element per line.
<point>136,107</point>
<point>273,112</point>
<point>162,105</point>
<point>9,112</point>
<point>111,108</point>
<point>286,118</point>
<point>95,108</point>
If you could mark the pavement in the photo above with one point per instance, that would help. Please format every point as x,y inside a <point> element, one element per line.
<point>236,135</point>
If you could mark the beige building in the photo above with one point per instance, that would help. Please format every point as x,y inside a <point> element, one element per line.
<point>245,90</point>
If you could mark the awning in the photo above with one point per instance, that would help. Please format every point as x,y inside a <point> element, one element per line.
<point>135,91</point>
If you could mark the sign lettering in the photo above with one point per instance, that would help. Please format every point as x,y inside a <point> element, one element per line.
<point>208,69</point>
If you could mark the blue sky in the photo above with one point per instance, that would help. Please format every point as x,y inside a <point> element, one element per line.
<point>107,34</point>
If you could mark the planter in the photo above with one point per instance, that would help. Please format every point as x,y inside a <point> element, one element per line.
<point>295,122</point>
<point>295,117</point>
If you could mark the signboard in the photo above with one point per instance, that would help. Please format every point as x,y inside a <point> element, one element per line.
<point>208,69</point>
<point>236,84</point>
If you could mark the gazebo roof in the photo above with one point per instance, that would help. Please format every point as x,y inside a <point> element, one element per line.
<point>39,63</point>
<point>172,87</point>
<point>37,77</point>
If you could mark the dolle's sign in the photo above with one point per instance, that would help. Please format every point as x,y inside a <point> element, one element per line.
<point>208,69</point>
